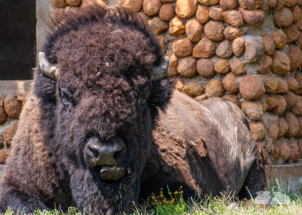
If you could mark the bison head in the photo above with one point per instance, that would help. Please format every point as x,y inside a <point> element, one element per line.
<point>100,80</point>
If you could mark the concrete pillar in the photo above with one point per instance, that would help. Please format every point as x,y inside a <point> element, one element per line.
<point>43,20</point>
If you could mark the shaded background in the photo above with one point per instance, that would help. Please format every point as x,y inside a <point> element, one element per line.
<point>17,39</point>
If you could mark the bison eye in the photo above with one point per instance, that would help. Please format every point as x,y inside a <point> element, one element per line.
<point>143,97</point>
<point>65,97</point>
<point>142,101</point>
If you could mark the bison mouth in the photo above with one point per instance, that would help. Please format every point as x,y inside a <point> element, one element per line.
<point>112,173</point>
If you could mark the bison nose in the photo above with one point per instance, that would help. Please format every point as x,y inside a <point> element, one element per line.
<point>106,155</point>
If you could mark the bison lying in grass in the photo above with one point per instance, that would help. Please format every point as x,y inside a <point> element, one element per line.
<point>103,127</point>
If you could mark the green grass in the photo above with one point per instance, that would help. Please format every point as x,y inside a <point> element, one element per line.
<point>215,205</point>
<point>226,204</point>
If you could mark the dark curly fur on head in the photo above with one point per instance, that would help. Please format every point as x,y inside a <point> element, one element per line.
<point>105,59</point>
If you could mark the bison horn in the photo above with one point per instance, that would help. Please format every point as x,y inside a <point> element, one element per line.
<point>50,70</point>
<point>159,72</point>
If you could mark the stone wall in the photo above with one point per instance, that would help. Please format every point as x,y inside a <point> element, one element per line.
<point>13,96</point>
<point>246,51</point>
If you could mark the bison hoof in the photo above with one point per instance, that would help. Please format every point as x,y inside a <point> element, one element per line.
<point>112,173</point>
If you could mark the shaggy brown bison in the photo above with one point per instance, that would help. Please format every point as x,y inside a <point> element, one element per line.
<point>103,127</point>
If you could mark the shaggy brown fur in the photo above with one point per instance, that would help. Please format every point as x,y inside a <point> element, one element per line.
<point>105,59</point>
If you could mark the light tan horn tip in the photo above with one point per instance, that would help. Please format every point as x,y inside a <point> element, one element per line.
<point>49,70</point>
<point>159,72</point>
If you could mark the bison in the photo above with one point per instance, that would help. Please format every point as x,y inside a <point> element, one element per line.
<point>104,128</point>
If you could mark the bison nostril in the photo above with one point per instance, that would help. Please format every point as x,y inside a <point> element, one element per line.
<point>95,153</point>
<point>118,153</point>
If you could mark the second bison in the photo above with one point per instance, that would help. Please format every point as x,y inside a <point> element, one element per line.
<point>103,127</point>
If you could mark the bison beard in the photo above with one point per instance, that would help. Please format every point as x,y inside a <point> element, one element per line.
<point>96,196</point>
<point>99,93</point>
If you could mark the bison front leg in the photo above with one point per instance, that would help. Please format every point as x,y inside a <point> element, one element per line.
<point>19,201</point>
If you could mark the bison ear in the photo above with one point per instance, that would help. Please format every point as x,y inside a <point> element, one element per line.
<point>161,93</point>
<point>45,79</point>
<point>161,86</point>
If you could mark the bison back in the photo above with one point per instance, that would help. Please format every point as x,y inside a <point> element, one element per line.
<point>204,146</point>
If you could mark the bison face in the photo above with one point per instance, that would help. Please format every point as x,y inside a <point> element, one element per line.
<point>105,135</point>
<point>101,80</point>
<point>104,127</point>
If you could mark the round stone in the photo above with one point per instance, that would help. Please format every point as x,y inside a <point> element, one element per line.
<point>12,107</point>
<point>205,68</point>
<point>284,150</point>
<point>233,17</point>
<point>151,7</point>
<point>186,8</point>
<point>161,39</point>
<point>214,88</point>
<point>258,130</point>
<point>297,110</point>
<point>205,48</point>
<point>238,46</point>
<point>282,86</point>
<point>265,65</point>
<point>271,103</point>
<point>194,30</point>
<point>202,14</point>
<point>238,68</point>
<point>268,44</point>
<point>208,2</point>
<point>222,66</point>
<point>232,33</point>
<point>172,69</point>
<point>182,47</point>
<point>270,83</point>
<point>293,125</point>
<point>280,108</point>
<point>251,87</point>
<point>279,38</point>
<point>3,115</point>
<point>253,110</point>
<point>187,67</point>
<point>291,32</point>
<point>284,17</point>
<point>179,84</point>
<point>167,12</point>
<point>224,49</point>
<point>290,99</point>
<point>214,30</point>
<point>292,83</point>
<point>215,13</point>
<point>9,133</point>
<point>229,83</point>
<point>176,27</point>
<point>295,57</point>
<point>228,4</point>
<point>76,3</point>
<point>255,17</point>
<point>158,26</point>
<point>281,63</point>
<point>283,127</point>
<point>59,3</point>
<point>193,89</point>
